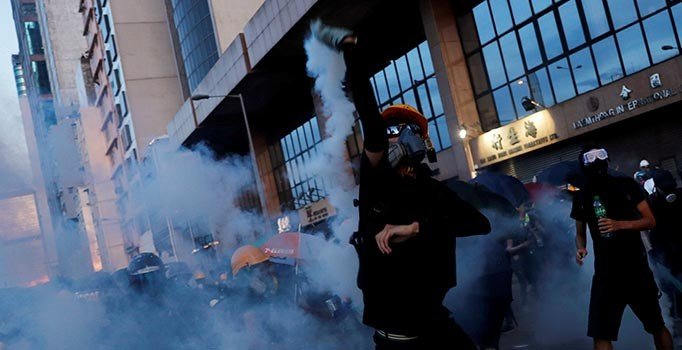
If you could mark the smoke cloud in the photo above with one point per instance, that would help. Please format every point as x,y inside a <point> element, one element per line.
<point>15,171</point>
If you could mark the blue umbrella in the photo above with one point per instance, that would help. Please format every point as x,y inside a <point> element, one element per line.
<point>506,186</point>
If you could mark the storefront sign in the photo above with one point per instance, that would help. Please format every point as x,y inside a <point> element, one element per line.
<point>316,212</point>
<point>631,105</point>
<point>514,139</point>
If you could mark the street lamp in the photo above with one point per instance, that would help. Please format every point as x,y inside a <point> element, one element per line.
<point>529,104</point>
<point>252,150</point>
<point>670,47</point>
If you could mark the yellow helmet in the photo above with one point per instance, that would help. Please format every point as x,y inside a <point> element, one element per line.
<point>402,113</point>
<point>247,255</point>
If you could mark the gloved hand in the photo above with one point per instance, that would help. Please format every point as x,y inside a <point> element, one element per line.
<point>331,36</point>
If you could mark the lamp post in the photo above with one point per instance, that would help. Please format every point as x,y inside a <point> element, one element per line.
<point>576,67</point>
<point>465,136</point>
<point>252,150</point>
<point>529,104</point>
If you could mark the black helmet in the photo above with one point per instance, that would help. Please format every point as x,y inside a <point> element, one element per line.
<point>147,273</point>
<point>145,263</point>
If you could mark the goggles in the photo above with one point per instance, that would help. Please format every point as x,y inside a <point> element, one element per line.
<point>395,130</point>
<point>593,155</point>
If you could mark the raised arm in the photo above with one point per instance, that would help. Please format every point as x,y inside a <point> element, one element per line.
<point>357,73</point>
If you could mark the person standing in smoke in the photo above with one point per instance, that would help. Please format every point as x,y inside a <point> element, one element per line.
<point>408,220</point>
<point>666,242</point>
<point>616,210</point>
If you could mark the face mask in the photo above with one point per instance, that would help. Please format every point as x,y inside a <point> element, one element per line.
<point>597,169</point>
<point>410,148</point>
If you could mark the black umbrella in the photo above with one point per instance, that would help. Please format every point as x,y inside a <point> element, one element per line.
<point>567,172</point>
<point>481,197</point>
<point>504,185</point>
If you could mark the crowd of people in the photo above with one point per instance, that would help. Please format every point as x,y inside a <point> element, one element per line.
<point>406,247</point>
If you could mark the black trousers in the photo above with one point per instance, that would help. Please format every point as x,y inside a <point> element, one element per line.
<point>441,334</point>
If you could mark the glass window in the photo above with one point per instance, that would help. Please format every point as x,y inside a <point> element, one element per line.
<point>380,86</point>
<point>608,64</point>
<point>512,55</point>
<point>531,49</point>
<point>677,16</point>
<point>435,97</point>
<point>539,5</point>
<point>484,23</point>
<point>583,71</point>
<point>595,14</point>
<point>573,29</point>
<point>632,49</point>
<point>562,80</point>
<point>392,79</point>
<point>415,64</point>
<point>403,72</point>
<point>34,38</point>
<point>426,58</point>
<point>520,9</point>
<point>443,135</point>
<point>520,89</point>
<point>501,15</point>
<point>550,35</point>
<point>647,7</point>
<point>504,105</point>
<point>541,88</point>
<point>493,63</point>
<point>659,32</point>
<point>623,12</point>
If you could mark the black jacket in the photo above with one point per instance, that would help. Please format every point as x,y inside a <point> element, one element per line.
<point>404,290</point>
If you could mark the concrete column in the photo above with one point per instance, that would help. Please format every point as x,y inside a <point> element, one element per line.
<point>453,79</point>
<point>267,177</point>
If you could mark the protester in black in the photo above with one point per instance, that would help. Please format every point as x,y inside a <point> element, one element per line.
<point>616,211</point>
<point>666,239</point>
<point>408,220</point>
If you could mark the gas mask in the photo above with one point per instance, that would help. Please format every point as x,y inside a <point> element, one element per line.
<point>666,191</point>
<point>410,148</point>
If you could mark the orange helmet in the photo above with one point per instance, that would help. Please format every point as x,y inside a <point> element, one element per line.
<point>402,113</point>
<point>247,255</point>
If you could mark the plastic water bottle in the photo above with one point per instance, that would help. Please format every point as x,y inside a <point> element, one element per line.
<point>600,212</point>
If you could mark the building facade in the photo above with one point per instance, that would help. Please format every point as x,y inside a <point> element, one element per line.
<point>606,71</point>
<point>510,86</point>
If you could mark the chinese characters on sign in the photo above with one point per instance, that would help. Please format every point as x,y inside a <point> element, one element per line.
<point>513,137</point>
<point>655,81</point>
<point>516,142</point>
<point>531,130</point>
<point>629,106</point>
<point>316,212</point>
<point>625,93</point>
<point>497,142</point>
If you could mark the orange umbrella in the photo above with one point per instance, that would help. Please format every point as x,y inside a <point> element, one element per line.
<point>293,245</point>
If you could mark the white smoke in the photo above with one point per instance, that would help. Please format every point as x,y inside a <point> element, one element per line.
<point>15,171</point>
<point>337,267</point>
